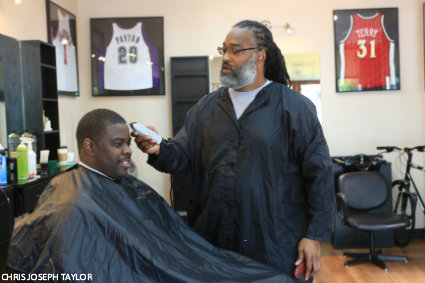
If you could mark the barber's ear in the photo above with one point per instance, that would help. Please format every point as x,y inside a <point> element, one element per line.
<point>89,146</point>
<point>261,55</point>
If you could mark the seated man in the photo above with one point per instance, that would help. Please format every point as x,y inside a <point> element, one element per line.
<point>97,223</point>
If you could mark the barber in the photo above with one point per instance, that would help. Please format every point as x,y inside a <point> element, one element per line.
<point>258,157</point>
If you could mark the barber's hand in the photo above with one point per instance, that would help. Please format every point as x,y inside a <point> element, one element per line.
<point>310,251</point>
<point>146,143</point>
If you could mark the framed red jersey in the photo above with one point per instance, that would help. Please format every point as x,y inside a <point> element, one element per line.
<point>366,49</point>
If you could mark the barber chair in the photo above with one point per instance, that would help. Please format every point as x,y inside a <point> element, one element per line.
<point>6,228</point>
<point>359,193</point>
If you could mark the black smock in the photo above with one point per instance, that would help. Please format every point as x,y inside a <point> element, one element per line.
<point>87,224</point>
<point>262,181</point>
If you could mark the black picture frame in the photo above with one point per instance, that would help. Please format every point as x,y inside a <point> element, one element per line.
<point>62,33</point>
<point>129,62</point>
<point>366,50</point>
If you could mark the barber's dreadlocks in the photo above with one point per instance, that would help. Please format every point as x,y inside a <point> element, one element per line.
<point>275,66</point>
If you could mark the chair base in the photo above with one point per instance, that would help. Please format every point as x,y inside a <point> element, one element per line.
<point>375,257</point>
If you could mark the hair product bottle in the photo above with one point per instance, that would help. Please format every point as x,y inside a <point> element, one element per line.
<point>33,141</point>
<point>3,166</point>
<point>22,161</point>
<point>32,158</point>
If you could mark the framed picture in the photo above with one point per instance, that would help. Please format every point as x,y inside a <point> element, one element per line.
<point>127,56</point>
<point>366,49</point>
<point>62,33</point>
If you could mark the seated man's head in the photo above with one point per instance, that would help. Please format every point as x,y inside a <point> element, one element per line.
<point>104,142</point>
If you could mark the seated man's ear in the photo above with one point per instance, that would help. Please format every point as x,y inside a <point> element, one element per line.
<point>89,146</point>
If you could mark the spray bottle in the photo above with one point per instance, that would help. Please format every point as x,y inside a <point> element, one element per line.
<point>22,161</point>
<point>3,166</point>
<point>33,138</point>
<point>32,157</point>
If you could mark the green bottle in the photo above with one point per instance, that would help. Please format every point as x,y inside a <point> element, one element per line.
<point>22,161</point>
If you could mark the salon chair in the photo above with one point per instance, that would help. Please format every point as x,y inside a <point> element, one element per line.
<point>359,193</point>
<point>6,228</point>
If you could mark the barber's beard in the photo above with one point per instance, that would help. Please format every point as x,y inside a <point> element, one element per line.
<point>242,78</point>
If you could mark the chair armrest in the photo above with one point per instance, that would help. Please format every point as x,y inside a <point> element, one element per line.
<point>341,206</point>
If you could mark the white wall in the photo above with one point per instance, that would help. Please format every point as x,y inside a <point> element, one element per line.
<point>353,122</point>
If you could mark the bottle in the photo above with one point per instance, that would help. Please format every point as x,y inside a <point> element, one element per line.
<point>11,168</point>
<point>3,166</point>
<point>33,138</point>
<point>32,158</point>
<point>47,124</point>
<point>22,161</point>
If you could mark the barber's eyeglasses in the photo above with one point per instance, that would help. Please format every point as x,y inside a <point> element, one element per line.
<point>222,50</point>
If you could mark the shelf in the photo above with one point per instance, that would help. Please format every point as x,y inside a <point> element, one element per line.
<point>48,66</point>
<point>190,88</point>
<point>40,93</point>
<point>189,65</point>
<point>51,111</point>
<point>191,75</point>
<point>185,101</point>
<point>46,52</point>
<point>49,85</point>
<point>50,99</point>
<point>51,132</point>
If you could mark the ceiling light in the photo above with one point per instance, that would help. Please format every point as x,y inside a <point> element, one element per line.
<point>286,27</point>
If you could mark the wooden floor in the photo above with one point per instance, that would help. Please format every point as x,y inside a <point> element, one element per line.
<point>333,269</point>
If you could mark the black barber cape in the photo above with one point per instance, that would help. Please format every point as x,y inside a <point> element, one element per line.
<point>261,182</point>
<point>85,223</point>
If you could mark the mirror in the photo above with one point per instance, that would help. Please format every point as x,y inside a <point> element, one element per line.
<point>303,69</point>
<point>11,118</point>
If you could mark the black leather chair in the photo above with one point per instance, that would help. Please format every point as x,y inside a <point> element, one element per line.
<point>359,194</point>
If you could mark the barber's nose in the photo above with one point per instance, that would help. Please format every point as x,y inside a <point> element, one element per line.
<point>225,57</point>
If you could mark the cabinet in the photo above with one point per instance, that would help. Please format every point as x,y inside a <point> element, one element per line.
<point>27,86</point>
<point>40,93</point>
<point>189,82</point>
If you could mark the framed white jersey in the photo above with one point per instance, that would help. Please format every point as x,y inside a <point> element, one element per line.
<point>127,56</point>
<point>128,63</point>
<point>62,34</point>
